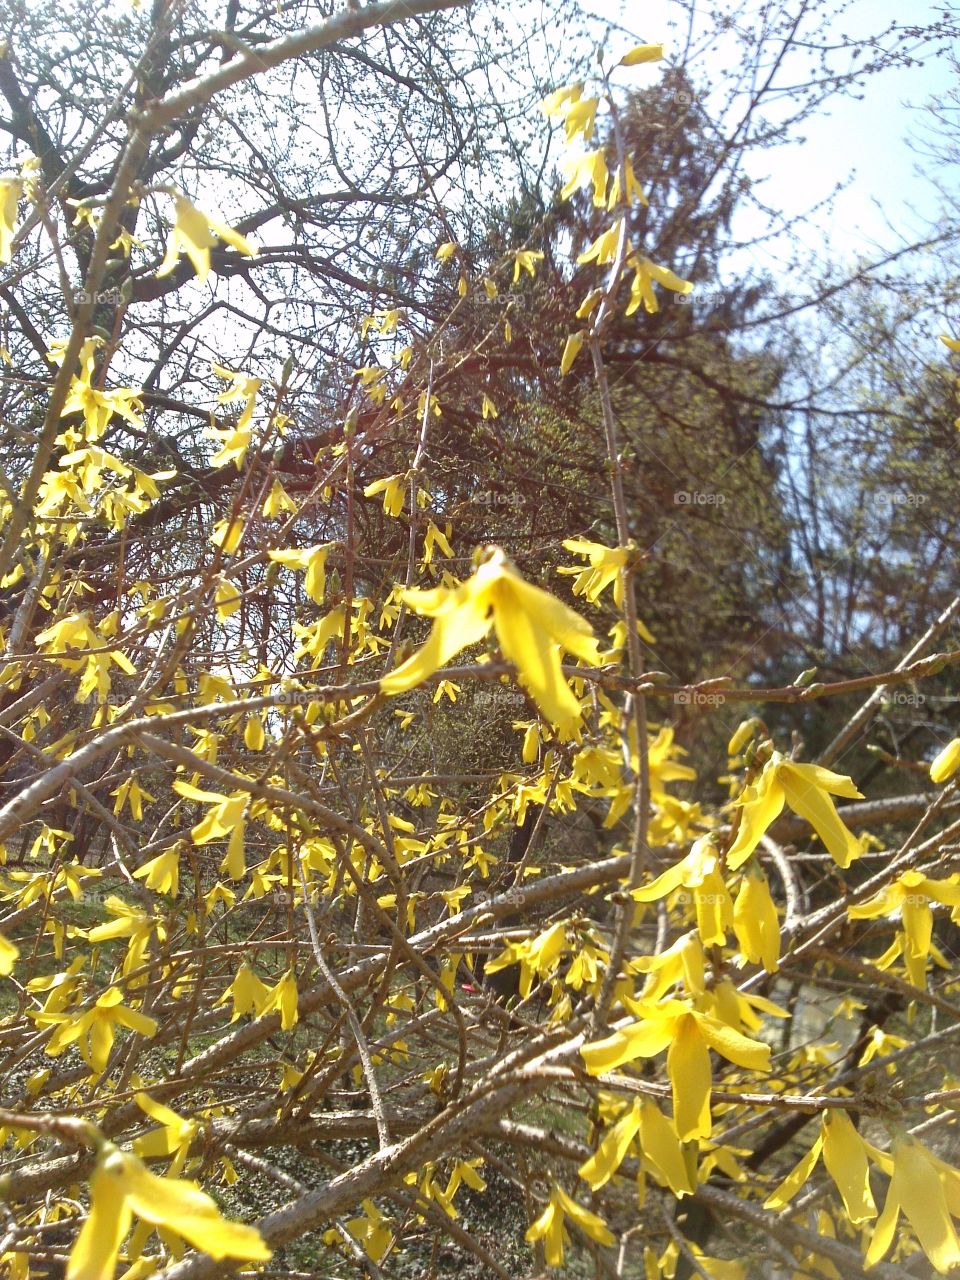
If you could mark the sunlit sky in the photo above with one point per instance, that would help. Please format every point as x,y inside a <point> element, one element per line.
<point>862,142</point>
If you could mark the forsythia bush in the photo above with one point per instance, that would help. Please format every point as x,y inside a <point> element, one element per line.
<point>242,915</point>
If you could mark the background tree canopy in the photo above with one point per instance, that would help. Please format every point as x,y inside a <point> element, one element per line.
<point>479,625</point>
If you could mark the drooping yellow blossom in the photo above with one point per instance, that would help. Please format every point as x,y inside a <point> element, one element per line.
<point>604,248</point>
<point>316,636</point>
<point>94,1031</point>
<point>173,1137</point>
<point>628,189</point>
<point>946,762</point>
<point>277,501</point>
<point>227,598</point>
<point>580,171</point>
<point>660,1149</point>
<point>372,1231</point>
<point>248,993</point>
<point>225,818</point>
<point>233,447</point>
<point>282,999</point>
<point>228,534</point>
<point>433,539</point>
<point>446,251</point>
<point>641,290</point>
<point>121,1186</point>
<point>911,895</point>
<point>879,1042</point>
<point>755,921</point>
<point>571,349</point>
<point>394,490</point>
<point>254,736</point>
<point>235,441</point>
<point>537,957</point>
<point>130,792</point>
<point>700,872</point>
<point>8,955</point>
<point>96,406</point>
<point>314,561</point>
<point>550,1228</point>
<point>125,242</point>
<point>683,962</point>
<point>532,628</point>
<point>193,234</point>
<point>162,873</point>
<point>924,1189</point>
<point>10,189</point>
<point>384,320</point>
<point>242,387</point>
<point>807,789</point>
<point>525,260</point>
<point>129,922</point>
<point>559,102</point>
<point>606,564</point>
<point>845,1156</point>
<point>642,53</point>
<point>76,631</point>
<point>580,118</point>
<point>688,1035</point>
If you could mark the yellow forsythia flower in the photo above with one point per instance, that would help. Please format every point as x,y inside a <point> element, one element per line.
<point>571,350</point>
<point>807,789</point>
<point>122,1186</point>
<point>605,566</point>
<point>8,955</point>
<point>945,763</point>
<point>9,196</point>
<point>311,559</point>
<point>192,234</point>
<point>531,625</point>
<point>923,1188</point>
<point>549,1227</point>
<point>642,53</point>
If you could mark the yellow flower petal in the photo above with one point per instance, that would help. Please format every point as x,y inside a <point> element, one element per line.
<point>643,1039</point>
<point>184,1208</point>
<point>739,1049</point>
<point>589,1223</point>
<point>809,799</point>
<point>755,922</point>
<point>781,1196</point>
<point>688,1066</point>
<point>661,1147</point>
<point>945,763</point>
<point>611,1152</point>
<point>760,805</point>
<point>571,350</point>
<point>916,1189</point>
<point>642,53</point>
<point>94,1254</point>
<point>846,1160</point>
